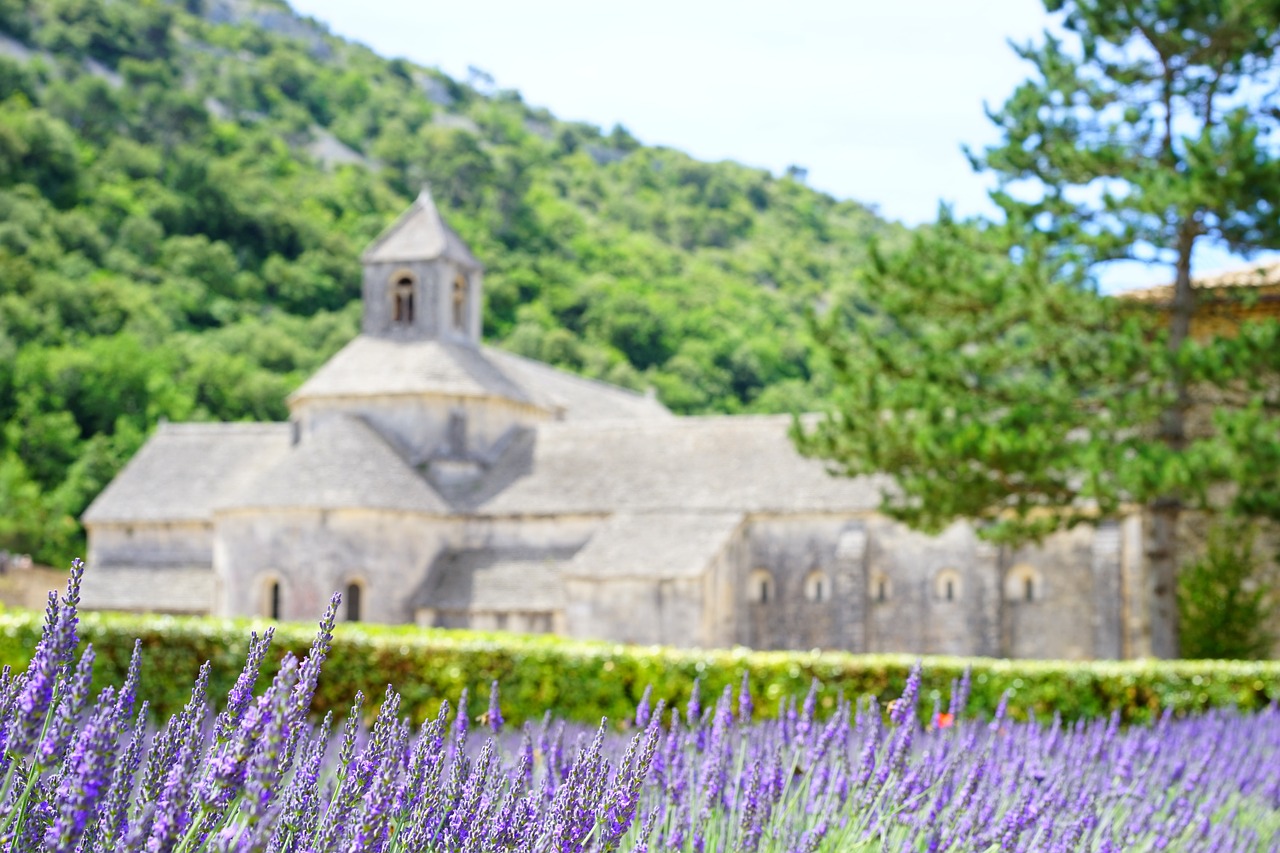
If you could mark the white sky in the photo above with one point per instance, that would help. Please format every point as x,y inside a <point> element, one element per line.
<point>875,99</point>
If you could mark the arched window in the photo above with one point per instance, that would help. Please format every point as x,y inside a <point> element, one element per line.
<point>460,303</point>
<point>1023,583</point>
<point>817,587</point>
<point>402,300</point>
<point>760,587</point>
<point>273,599</point>
<point>881,590</point>
<point>946,585</point>
<point>352,597</point>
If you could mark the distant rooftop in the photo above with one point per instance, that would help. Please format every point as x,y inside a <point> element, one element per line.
<point>1254,275</point>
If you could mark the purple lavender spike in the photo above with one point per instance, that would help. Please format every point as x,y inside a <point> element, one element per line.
<point>746,708</point>
<point>642,709</point>
<point>80,790</point>
<point>495,711</point>
<point>242,691</point>
<point>693,709</point>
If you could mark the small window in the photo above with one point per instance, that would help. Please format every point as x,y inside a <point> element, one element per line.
<point>1023,584</point>
<point>460,303</point>
<point>946,586</point>
<point>817,587</point>
<point>881,589</point>
<point>402,301</point>
<point>273,599</point>
<point>353,601</point>
<point>760,587</point>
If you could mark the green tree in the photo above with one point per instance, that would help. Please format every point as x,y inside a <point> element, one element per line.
<point>1221,601</point>
<point>988,378</point>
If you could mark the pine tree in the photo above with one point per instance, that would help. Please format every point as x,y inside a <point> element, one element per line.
<point>981,369</point>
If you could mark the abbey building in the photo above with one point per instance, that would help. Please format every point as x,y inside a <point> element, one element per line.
<point>438,481</point>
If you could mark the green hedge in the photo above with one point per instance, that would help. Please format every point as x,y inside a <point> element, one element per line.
<point>586,680</point>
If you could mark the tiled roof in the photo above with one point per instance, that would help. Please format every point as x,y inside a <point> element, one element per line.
<point>654,545</point>
<point>495,579</point>
<point>371,366</point>
<point>1254,275</point>
<point>341,463</point>
<point>576,397</point>
<point>184,470</point>
<point>717,463</point>
<point>419,235</point>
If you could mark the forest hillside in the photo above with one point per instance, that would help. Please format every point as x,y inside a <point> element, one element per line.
<point>185,189</point>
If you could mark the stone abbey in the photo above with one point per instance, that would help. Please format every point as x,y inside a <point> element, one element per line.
<point>438,481</point>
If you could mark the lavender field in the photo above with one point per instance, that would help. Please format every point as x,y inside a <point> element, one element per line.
<point>254,772</point>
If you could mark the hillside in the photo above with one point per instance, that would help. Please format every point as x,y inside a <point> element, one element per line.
<point>185,190</point>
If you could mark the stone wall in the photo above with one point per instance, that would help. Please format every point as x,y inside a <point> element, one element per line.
<point>943,595</point>
<point>314,553</point>
<point>648,611</point>
<point>185,591</point>
<point>816,595</point>
<point>868,584</point>
<point>432,300</point>
<point>29,587</point>
<point>155,544</point>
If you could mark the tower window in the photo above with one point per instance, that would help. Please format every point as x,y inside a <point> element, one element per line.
<point>460,303</point>
<point>273,599</point>
<point>353,601</point>
<point>402,301</point>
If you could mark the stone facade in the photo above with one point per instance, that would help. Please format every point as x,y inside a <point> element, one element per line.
<point>436,481</point>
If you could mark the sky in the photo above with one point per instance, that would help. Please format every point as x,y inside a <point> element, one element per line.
<point>874,99</point>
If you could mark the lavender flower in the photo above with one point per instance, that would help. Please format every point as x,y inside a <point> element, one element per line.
<point>494,715</point>
<point>746,708</point>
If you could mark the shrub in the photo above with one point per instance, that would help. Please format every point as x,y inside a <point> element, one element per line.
<point>1221,604</point>
<point>584,681</point>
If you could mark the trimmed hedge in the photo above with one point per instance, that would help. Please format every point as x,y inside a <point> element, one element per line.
<point>587,680</point>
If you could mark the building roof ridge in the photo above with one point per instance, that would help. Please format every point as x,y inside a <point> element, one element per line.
<point>567,374</point>
<point>1264,274</point>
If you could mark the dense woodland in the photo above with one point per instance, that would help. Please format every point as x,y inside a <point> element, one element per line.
<point>185,190</point>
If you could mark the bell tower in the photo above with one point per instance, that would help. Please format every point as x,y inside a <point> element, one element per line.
<point>421,282</point>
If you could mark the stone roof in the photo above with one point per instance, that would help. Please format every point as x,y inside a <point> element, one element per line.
<point>341,463</point>
<point>420,234</point>
<point>185,470</point>
<point>495,579</point>
<point>371,366</point>
<point>741,463</point>
<point>654,545</point>
<point>1254,275</point>
<point>576,397</point>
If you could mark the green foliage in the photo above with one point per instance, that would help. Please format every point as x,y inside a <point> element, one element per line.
<point>980,368</point>
<point>1001,395</point>
<point>586,680</point>
<point>175,243</point>
<point>1221,601</point>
